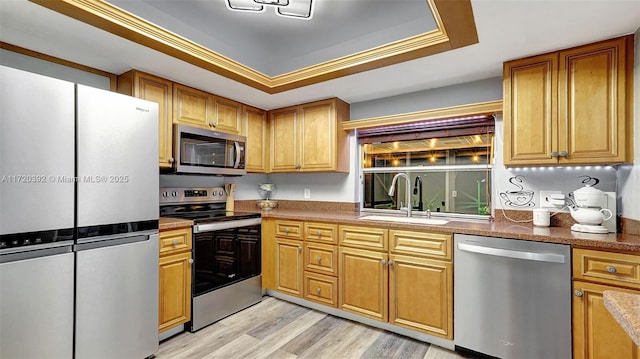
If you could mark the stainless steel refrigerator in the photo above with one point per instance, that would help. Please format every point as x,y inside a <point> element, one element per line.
<point>113,203</point>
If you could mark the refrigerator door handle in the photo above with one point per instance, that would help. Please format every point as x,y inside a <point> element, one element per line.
<point>104,242</point>
<point>532,256</point>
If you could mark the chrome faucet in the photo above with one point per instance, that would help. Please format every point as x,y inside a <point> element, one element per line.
<point>417,185</point>
<point>407,191</point>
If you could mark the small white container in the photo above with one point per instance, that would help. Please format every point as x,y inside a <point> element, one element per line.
<point>541,217</point>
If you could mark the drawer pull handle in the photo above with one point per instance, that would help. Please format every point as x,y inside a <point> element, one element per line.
<point>319,233</point>
<point>318,290</point>
<point>611,269</point>
<point>318,258</point>
<point>286,230</point>
<point>578,293</point>
<point>175,242</point>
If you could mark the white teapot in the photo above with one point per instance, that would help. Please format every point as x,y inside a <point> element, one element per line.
<point>592,216</point>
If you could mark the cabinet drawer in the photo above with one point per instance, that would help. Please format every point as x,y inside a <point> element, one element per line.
<point>321,232</point>
<point>175,240</point>
<point>364,237</point>
<point>289,229</point>
<point>321,258</point>
<point>321,289</point>
<point>612,268</point>
<point>421,243</point>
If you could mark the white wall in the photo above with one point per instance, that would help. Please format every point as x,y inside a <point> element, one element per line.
<point>629,176</point>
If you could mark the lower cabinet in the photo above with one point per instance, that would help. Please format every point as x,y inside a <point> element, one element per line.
<point>174,279</point>
<point>364,283</point>
<point>596,334</point>
<point>420,294</point>
<point>289,266</point>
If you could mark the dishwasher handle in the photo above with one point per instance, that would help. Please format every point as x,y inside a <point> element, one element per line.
<point>508,253</point>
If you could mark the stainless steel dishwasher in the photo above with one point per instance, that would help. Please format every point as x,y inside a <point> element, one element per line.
<point>512,298</point>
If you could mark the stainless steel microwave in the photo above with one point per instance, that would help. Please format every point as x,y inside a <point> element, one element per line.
<point>202,151</point>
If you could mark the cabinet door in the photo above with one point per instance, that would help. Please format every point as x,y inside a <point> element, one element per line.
<point>257,146</point>
<point>318,136</point>
<point>284,140</point>
<point>175,290</point>
<point>192,107</point>
<point>421,295</point>
<point>289,264</point>
<point>228,115</point>
<point>592,102</point>
<point>363,283</point>
<point>530,110</point>
<point>596,334</point>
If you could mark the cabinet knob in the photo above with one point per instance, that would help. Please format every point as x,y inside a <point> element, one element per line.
<point>554,154</point>
<point>578,293</point>
<point>299,248</point>
<point>171,160</point>
<point>214,124</point>
<point>190,260</point>
<point>318,258</point>
<point>286,230</point>
<point>318,290</point>
<point>319,234</point>
<point>175,242</point>
<point>210,124</point>
<point>390,263</point>
<point>564,153</point>
<point>383,262</point>
<point>611,269</point>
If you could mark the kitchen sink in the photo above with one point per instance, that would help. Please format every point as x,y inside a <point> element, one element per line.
<point>416,220</point>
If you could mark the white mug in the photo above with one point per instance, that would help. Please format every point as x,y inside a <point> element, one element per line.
<point>541,217</point>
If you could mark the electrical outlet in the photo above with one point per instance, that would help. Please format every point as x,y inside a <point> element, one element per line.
<point>454,194</point>
<point>546,201</point>
<point>307,193</point>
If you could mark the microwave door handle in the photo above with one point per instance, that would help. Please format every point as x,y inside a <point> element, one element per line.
<point>237,146</point>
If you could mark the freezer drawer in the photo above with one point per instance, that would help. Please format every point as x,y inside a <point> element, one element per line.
<point>117,298</point>
<point>36,306</point>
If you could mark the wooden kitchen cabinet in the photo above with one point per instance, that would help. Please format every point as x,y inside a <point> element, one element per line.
<point>364,283</point>
<point>152,88</point>
<point>307,138</point>
<point>421,295</point>
<point>174,278</point>
<point>255,128</point>
<point>192,107</point>
<point>227,115</point>
<point>289,266</point>
<point>596,334</point>
<point>571,106</point>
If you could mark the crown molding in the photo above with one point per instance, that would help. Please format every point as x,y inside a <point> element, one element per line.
<point>454,20</point>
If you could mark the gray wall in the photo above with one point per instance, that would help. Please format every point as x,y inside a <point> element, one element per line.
<point>462,94</point>
<point>42,67</point>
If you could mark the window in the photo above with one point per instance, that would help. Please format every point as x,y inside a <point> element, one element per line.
<point>448,163</point>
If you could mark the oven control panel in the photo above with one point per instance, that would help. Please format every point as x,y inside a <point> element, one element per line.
<point>178,195</point>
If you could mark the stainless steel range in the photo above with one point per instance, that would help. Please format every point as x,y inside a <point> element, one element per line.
<point>226,252</point>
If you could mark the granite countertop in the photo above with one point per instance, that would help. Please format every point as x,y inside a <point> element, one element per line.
<point>620,242</point>
<point>167,223</point>
<point>625,308</point>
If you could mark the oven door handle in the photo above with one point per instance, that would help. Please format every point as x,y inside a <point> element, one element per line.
<point>217,226</point>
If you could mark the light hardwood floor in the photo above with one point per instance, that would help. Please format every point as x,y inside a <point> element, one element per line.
<point>276,329</point>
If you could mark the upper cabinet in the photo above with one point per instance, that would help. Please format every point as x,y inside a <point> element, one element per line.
<point>159,90</point>
<point>308,138</point>
<point>570,107</point>
<point>255,129</point>
<point>192,107</point>
<point>201,109</point>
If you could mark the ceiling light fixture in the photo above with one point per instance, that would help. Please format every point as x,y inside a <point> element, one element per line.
<point>299,9</point>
